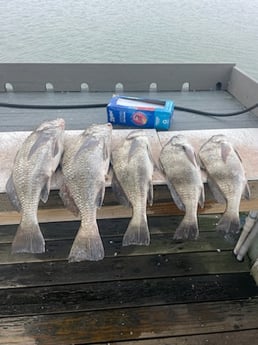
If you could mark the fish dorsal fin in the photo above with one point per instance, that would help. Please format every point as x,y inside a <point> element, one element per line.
<point>12,195</point>
<point>190,154</point>
<point>41,140</point>
<point>225,150</point>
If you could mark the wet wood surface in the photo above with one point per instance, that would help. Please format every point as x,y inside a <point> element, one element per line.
<point>167,291</point>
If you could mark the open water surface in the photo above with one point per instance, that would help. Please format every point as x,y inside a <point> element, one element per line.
<point>130,31</point>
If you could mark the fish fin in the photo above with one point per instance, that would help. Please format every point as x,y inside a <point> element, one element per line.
<point>186,231</point>
<point>175,196</point>
<point>229,227</point>
<point>246,192</point>
<point>149,152</point>
<point>238,155</point>
<point>133,149</point>
<point>12,195</point>
<point>42,138</point>
<point>88,247</point>
<point>150,194</point>
<point>190,154</point>
<point>137,233</point>
<point>199,162</point>
<point>67,199</point>
<point>225,151</point>
<point>55,148</point>
<point>28,239</point>
<point>106,150</point>
<point>216,191</point>
<point>88,144</point>
<point>100,196</point>
<point>119,192</point>
<point>45,191</point>
<point>201,197</point>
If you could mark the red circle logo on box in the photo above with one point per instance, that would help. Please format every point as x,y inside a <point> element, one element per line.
<point>139,118</point>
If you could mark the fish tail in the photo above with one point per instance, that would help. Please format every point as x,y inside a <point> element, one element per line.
<point>28,239</point>
<point>87,245</point>
<point>137,232</point>
<point>229,226</point>
<point>187,230</point>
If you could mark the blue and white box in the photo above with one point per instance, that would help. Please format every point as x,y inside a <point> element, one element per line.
<point>140,112</point>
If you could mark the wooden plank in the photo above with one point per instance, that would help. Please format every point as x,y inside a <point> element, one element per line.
<point>119,268</point>
<point>118,211</point>
<point>225,338</point>
<point>160,244</point>
<point>131,323</point>
<point>129,293</point>
<point>244,140</point>
<point>110,227</point>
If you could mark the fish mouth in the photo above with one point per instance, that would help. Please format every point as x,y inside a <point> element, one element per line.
<point>59,122</point>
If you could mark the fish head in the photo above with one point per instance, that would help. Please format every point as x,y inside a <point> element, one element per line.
<point>99,130</point>
<point>135,134</point>
<point>52,125</point>
<point>138,138</point>
<point>178,140</point>
<point>218,139</point>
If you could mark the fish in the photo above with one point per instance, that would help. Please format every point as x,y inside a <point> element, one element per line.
<point>85,165</point>
<point>227,181</point>
<point>183,176</point>
<point>34,164</point>
<point>132,167</point>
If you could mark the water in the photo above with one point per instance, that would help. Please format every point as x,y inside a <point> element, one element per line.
<point>130,31</point>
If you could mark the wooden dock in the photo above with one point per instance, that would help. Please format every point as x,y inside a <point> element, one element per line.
<point>178,293</point>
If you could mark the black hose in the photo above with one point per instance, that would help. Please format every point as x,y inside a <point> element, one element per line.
<point>103,105</point>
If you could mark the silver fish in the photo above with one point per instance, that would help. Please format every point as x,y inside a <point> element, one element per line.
<point>227,181</point>
<point>34,164</point>
<point>132,183</point>
<point>85,164</point>
<point>183,175</point>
